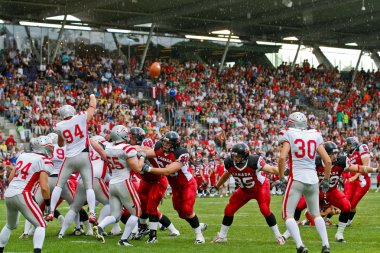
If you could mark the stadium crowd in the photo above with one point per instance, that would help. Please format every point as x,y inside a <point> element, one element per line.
<point>211,112</point>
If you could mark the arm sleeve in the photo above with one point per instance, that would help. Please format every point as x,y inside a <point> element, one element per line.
<point>283,136</point>
<point>364,151</point>
<point>130,151</point>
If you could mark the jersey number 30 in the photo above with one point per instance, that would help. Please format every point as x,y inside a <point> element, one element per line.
<point>310,148</point>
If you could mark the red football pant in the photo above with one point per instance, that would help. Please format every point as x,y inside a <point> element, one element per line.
<point>184,199</point>
<point>354,192</point>
<point>240,197</point>
<point>151,194</point>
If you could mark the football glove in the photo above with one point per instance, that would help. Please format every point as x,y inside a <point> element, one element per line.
<point>145,168</point>
<point>325,185</point>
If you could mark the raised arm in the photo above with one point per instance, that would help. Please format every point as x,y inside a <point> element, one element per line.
<point>91,107</point>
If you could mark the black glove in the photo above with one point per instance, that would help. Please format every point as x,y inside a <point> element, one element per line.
<point>141,154</point>
<point>282,184</point>
<point>204,183</point>
<point>145,168</point>
<point>325,185</point>
<point>214,190</point>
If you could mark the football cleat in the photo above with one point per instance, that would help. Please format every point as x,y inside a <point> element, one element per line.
<point>98,232</point>
<point>132,236</point>
<point>199,239</point>
<point>60,236</point>
<point>203,226</point>
<point>174,233</point>
<point>219,239</point>
<point>24,236</point>
<point>281,240</point>
<point>124,243</point>
<point>325,249</point>
<point>142,233</point>
<point>78,232</point>
<point>92,219</point>
<point>302,249</point>
<point>111,233</point>
<point>152,239</point>
<point>339,238</point>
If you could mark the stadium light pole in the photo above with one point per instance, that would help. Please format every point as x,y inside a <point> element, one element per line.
<point>357,66</point>
<point>59,37</point>
<point>225,53</point>
<point>295,57</point>
<point>146,47</point>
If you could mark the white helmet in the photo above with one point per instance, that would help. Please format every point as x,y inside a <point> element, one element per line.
<point>119,134</point>
<point>297,120</point>
<point>53,137</point>
<point>66,111</point>
<point>33,142</point>
<point>44,145</point>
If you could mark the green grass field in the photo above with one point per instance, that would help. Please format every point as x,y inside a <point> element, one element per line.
<point>249,232</point>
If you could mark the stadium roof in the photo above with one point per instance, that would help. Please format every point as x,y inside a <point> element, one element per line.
<point>314,22</point>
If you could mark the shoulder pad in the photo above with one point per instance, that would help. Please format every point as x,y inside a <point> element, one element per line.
<point>252,161</point>
<point>180,151</point>
<point>342,161</point>
<point>228,163</point>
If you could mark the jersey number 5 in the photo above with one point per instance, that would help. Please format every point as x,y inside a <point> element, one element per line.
<point>301,152</point>
<point>69,136</point>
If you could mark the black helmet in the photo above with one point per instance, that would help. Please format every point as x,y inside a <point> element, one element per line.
<point>240,150</point>
<point>353,142</point>
<point>172,138</point>
<point>138,134</point>
<point>331,147</point>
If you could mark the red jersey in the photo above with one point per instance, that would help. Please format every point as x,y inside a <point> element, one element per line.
<point>357,155</point>
<point>248,176</point>
<point>197,170</point>
<point>180,178</point>
<point>149,177</point>
<point>338,167</point>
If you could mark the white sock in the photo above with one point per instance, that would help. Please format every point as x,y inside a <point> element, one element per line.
<point>90,194</point>
<point>39,237</point>
<point>286,234</point>
<point>131,223</point>
<point>106,210</point>
<point>107,221</point>
<point>69,218</point>
<point>55,196</point>
<point>153,225</point>
<point>77,220</point>
<point>142,221</point>
<point>61,219</point>
<point>223,231</point>
<point>275,231</point>
<point>116,227</point>
<point>136,229</point>
<point>4,236</point>
<point>341,227</point>
<point>198,230</point>
<point>27,227</point>
<point>87,224</point>
<point>349,222</point>
<point>294,231</point>
<point>321,228</point>
<point>172,228</point>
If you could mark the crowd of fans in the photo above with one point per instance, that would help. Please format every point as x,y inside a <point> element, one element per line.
<point>210,111</point>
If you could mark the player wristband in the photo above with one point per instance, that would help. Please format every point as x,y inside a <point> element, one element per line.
<point>47,202</point>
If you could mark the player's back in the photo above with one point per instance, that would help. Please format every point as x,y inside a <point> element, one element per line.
<point>118,155</point>
<point>303,150</point>
<point>58,158</point>
<point>74,132</point>
<point>27,173</point>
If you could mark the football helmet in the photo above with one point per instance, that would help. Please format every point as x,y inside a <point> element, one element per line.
<point>351,144</point>
<point>98,138</point>
<point>138,134</point>
<point>33,142</point>
<point>53,137</point>
<point>44,145</point>
<point>240,154</point>
<point>170,141</point>
<point>331,147</point>
<point>120,134</point>
<point>66,111</point>
<point>297,120</point>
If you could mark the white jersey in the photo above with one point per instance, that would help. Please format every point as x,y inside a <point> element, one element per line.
<point>303,150</point>
<point>74,132</point>
<point>27,173</point>
<point>99,168</point>
<point>118,155</point>
<point>58,157</point>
